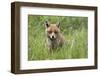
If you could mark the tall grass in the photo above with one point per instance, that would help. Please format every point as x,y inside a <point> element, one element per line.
<point>74,30</point>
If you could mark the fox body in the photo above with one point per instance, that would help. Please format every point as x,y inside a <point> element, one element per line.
<point>54,37</point>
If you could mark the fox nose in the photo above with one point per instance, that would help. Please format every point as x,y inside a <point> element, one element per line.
<point>53,37</point>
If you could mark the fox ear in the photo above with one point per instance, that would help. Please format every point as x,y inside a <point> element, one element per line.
<point>47,24</point>
<point>58,24</point>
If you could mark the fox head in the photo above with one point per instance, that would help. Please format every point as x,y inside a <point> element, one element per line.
<point>52,30</point>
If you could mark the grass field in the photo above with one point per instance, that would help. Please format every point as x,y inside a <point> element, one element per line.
<point>74,29</point>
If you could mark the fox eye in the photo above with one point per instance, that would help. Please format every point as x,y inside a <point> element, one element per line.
<point>49,32</point>
<point>55,32</point>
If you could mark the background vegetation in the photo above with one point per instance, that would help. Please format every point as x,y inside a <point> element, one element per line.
<point>73,28</point>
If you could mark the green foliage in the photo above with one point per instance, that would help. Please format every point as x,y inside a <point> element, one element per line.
<point>73,28</point>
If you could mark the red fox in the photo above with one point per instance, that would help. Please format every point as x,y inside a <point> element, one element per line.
<point>54,37</point>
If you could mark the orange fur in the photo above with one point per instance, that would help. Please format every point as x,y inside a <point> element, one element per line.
<point>54,37</point>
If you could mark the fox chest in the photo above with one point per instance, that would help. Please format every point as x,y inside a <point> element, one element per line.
<point>54,44</point>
